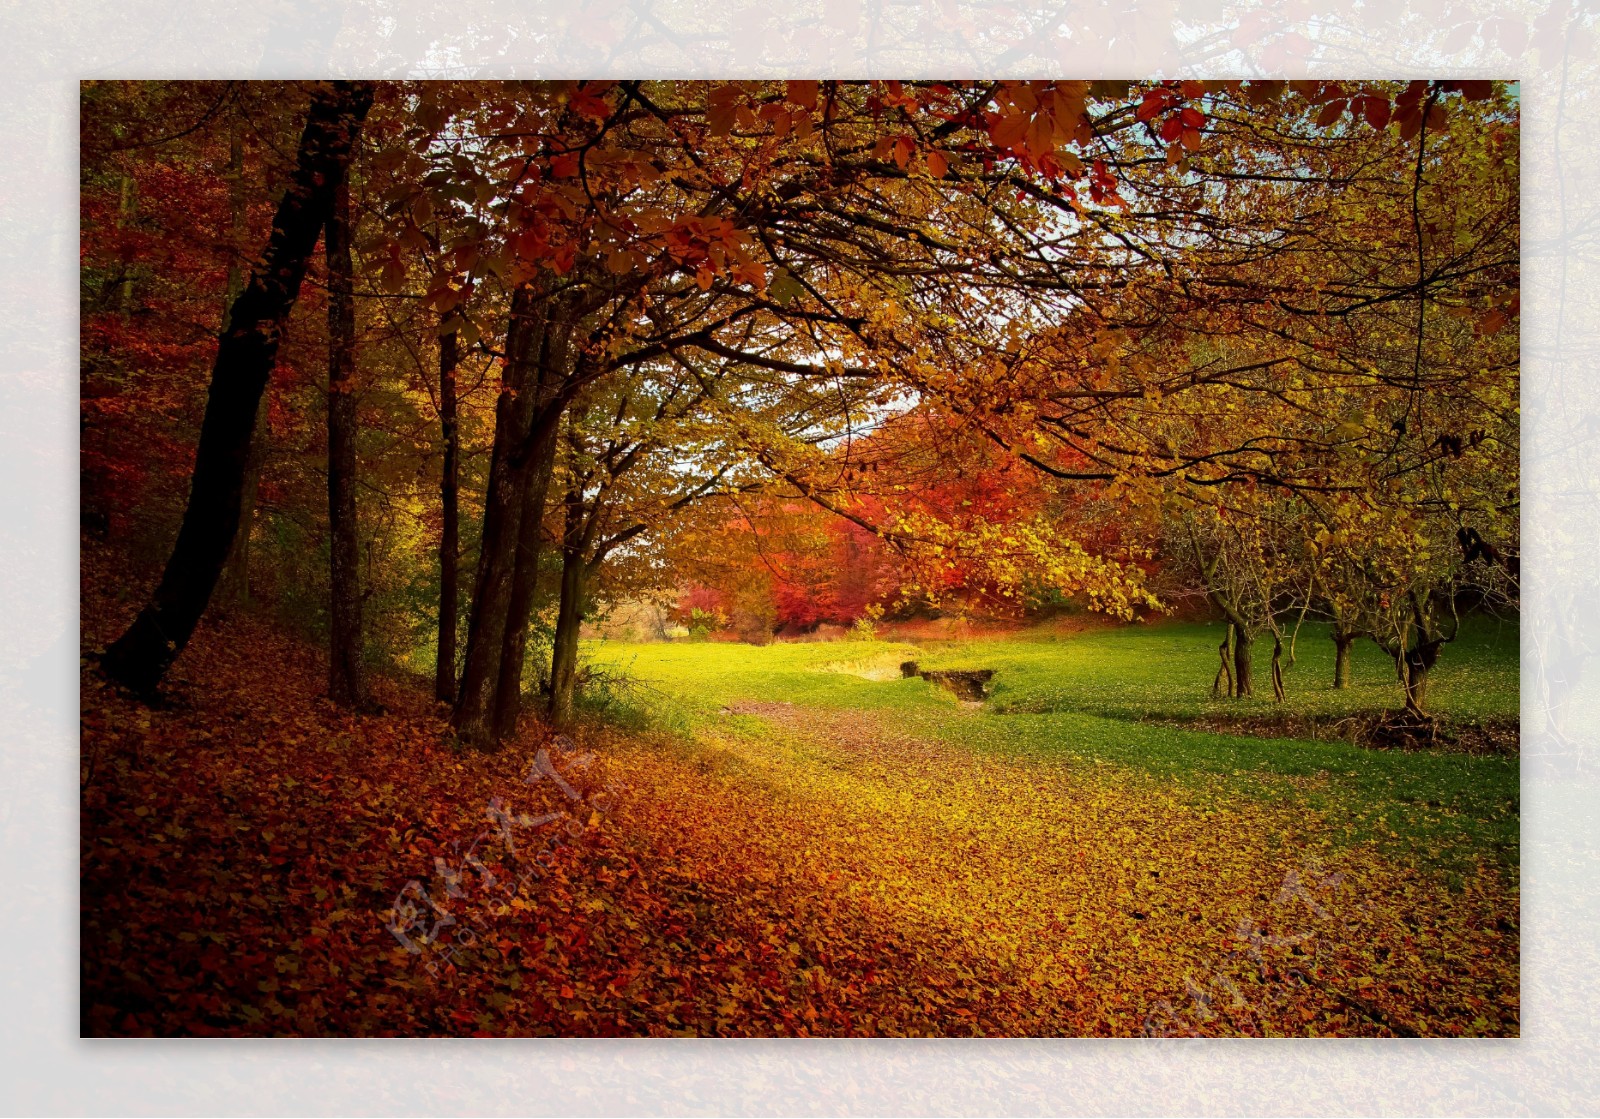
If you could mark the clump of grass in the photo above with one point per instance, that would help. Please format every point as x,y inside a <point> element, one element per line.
<point>610,694</point>
<point>878,667</point>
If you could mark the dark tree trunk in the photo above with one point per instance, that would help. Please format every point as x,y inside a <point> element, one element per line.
<point>1341,658</point>
<point>444,680</point>
<point>564,655</point>
<point>491,601</point>
<point>245,357</point>
<point>124,215</point>
<point>236,204</point>
<point>525,577</point>
<point>1417,689</point>
<point>1222,684</point>
<point>554,357</point>
<point>1241,661</point>
<point>1417,666</point>
<point>234,588</point>
<point>344,660</point>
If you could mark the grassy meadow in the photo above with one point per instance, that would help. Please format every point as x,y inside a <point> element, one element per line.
<point>1088,836</point>
<point>1120,697</point>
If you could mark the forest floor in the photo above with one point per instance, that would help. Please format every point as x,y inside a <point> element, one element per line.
<point>769,857</point>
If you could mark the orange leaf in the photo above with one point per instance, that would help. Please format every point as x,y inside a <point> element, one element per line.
<point>802,93</point>
<point>722,108</point>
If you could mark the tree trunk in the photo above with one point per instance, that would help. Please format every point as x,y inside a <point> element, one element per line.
<point>554,364</point>
<point>1341,658</point>
<point>236,205</point>
<point>491,601</point>
<point>1417,689</point>
<point>245,357</point>
<point>344,647</point>
<point>1241,661</point>
<point>1415,668</point>
<point>1223,683</point>
<point>444,679</point>
<point>564,655</point>
<point>525,577</point>
<point>234,587</point>
<point>124,215</point>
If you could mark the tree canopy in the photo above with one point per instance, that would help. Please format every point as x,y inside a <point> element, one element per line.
<point>863,346</point>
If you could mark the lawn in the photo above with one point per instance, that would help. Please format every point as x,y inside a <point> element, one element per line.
<point>1118,697</point>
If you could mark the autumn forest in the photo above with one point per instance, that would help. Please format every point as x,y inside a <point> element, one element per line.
<point>800,558</point>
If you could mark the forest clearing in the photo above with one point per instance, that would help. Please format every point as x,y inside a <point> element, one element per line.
<point>804,845</point>
<point>803,558</point>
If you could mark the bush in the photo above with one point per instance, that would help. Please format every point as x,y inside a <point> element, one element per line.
<point>607,694</point>
<point>866,626</point>
<point>701,623</point>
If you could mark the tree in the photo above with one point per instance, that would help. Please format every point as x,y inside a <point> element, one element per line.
<point>345,684</point>
<point>640,451</point>
<point>1132,290</point>
<point>245,354</point>
<point>235,582</point>
<point>1342,349</point>
<point>557,366</point>
<point>515,416</point>
<point>558,180</point>
<point>450,535</point>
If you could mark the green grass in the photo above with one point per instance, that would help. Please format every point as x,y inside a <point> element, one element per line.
<point>1165,672</point>
<point>1107,698</point>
